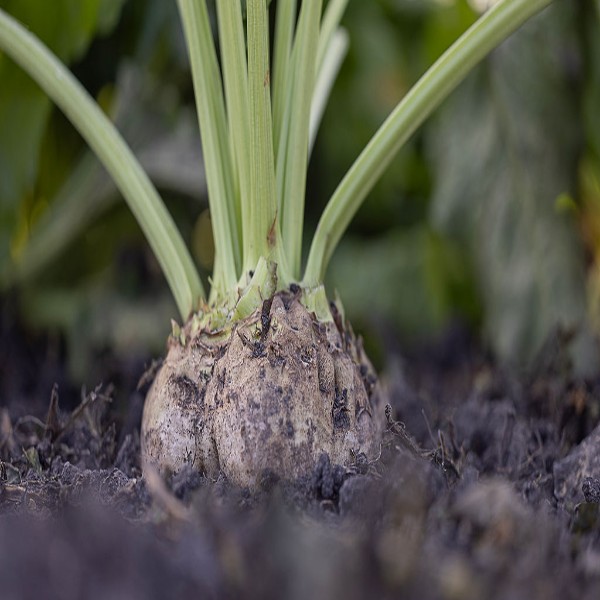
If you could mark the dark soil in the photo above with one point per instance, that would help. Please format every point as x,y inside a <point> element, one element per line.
<point>488,486</point>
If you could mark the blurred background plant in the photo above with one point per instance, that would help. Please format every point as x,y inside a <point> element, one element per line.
<point>490,216</point>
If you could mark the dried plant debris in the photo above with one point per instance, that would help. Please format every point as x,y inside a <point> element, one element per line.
<point>69,458</point>
<point>577,476</point>
<point>497,497</point>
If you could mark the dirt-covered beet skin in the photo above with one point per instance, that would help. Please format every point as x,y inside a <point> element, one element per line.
<point>267,399</point>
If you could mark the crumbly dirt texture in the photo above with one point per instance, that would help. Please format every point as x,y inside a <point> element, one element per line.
<point>487,487</point>
<point>265,401</point>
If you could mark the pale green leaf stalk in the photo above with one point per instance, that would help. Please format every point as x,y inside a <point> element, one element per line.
<point>282,50</point>
<point>264,232</point>
<point>293,151</point>
<point>328,72</point>
<point>255,156</point>
<point>329,26</point>
<point>141,196</point>
<point>333,47</point>
<point>437,83</point>
<point>235,79</point>
<point>215,143</point>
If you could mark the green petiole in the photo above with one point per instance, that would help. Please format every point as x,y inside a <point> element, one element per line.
<point>235,79</point>
<point>293,150</point>
<point>215,143</point>
<point>430,91</point>
<point>87,117</point>
<point>257,137</point>
<point>264,226</point>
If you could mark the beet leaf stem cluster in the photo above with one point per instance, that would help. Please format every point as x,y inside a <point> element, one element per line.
<point>258,119</point>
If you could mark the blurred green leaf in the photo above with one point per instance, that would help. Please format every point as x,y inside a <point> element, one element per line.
<point>81,267</point>
<point>67,27</point>
<point>168,148</point>
<point>392,43</point>
<point>131,327</point>
<point>383,60</point>
<point>414,279</point>
<point>445,25</point>
<point>592,88</point>
<point>505,147</point>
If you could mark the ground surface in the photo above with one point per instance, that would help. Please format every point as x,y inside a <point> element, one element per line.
<point>488,486</point>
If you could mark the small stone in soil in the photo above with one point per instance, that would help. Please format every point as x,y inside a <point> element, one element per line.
<point>591,489</point>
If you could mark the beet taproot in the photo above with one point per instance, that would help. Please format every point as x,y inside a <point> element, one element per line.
<point>267,396</point>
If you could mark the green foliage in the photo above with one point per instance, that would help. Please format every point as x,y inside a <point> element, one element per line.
<point>504,149</point>
<point>69,261</point>
<point>489,243</point>
<point>414,278</point>
<point>391,45</point>
<point>67,27</point>
<point>167,146</point>
<point>592,89</point>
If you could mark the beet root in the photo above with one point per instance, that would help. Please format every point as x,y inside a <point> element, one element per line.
<point>267,397</point>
